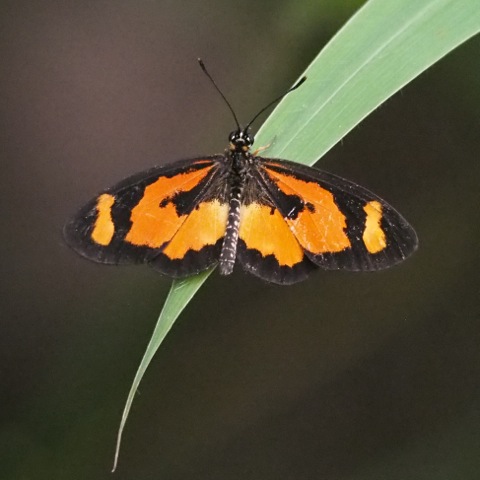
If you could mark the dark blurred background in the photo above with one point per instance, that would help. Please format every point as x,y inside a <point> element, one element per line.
<point>346,376</point>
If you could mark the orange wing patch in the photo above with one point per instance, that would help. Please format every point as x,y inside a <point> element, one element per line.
<point>264,229</point>
<point>104,228</point>
<point>373,235</point>
<point>153,224</point>
<point>320,228</point>
<point>204,226</point>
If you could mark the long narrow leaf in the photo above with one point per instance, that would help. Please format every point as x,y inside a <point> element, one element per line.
<point>382,48</point>
<point>181,292</point>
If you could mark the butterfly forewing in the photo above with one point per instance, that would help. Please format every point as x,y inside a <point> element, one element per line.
<point>338,223</point>
<point>138,219</point>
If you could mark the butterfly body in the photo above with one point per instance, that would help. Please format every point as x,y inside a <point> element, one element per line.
<point>279,219</point>
<point>239,174</point>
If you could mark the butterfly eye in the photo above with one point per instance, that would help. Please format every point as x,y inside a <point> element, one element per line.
<point>249,138</point>
<point>233,137</point>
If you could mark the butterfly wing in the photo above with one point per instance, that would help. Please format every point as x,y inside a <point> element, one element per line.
<point>267,247</point>
<point>337,223</point>
<point>153,217</point>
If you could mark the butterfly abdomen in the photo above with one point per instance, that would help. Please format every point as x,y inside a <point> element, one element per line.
<point>237,180</point>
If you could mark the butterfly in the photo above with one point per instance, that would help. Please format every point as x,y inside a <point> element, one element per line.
<point>279,219</point>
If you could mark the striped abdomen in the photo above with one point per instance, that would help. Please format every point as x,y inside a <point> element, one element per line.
<point>230,241</point>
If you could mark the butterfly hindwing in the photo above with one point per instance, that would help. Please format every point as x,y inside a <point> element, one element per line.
<point>337,223</point>
<point>154,217</point>
<point>196,245</point>
<point>267,247</point>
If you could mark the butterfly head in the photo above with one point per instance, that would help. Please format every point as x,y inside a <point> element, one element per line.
<point>240,140</point>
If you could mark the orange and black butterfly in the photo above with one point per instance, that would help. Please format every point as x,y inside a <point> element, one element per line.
<point>280,220</point>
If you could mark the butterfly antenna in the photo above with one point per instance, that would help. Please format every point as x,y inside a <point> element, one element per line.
<point>205,71</point>
<point>275,101</point>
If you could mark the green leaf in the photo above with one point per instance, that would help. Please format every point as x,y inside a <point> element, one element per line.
<point>181,292</point>
<point>379,50</point>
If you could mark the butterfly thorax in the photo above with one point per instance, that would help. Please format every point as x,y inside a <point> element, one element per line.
<point>239,157</point>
